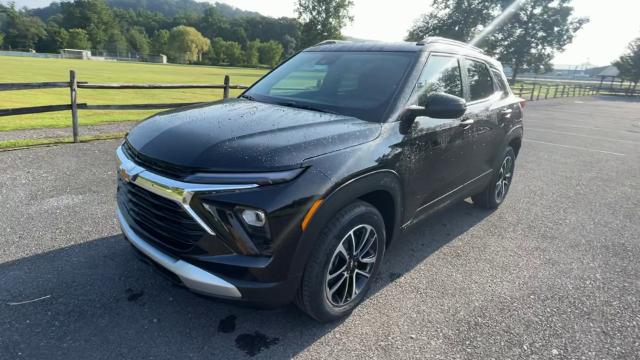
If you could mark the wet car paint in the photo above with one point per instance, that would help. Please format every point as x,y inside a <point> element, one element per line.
<point>424,163</point>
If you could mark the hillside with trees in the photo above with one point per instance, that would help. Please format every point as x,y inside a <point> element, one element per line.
<point>185,30</point>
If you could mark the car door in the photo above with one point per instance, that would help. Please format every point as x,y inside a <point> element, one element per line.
<point>483,107</point>
<point>436,150</point>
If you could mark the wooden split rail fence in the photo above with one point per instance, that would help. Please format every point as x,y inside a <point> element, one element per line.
<point>73,84</point>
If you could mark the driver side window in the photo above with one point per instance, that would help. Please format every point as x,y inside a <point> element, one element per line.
<point>440,75</point>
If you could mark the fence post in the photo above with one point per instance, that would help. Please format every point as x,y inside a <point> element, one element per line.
<point>555,94</point>
<point>225,94</point>
<point>533,90</point>
<point>521,89</point>
<point>73,87</point>
<point>539,91</point>
<point>564,87</point>
<point>546,93</point>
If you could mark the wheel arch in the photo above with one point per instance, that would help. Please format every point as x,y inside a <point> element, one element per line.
<point>380,188</point>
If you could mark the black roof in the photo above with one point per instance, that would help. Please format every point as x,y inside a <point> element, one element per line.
<point>429,44</point>
<point>337,45</point>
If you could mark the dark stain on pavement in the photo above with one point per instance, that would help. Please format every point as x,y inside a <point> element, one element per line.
<point>227,325</point>
<point>133,295</point>
<point>253,344</point>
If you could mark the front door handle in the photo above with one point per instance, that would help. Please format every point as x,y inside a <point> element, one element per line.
<point>466,122</point>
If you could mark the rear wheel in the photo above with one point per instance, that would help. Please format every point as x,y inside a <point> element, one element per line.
<point>343,263</point>
<point>495,193</point>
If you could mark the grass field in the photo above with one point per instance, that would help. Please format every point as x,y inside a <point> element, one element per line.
<point>17,69</point>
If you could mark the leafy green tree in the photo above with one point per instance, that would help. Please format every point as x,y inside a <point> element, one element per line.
<point>271,53</point>
<point>533,34</point>
<point>215,55</point>
<point>629,63</point>
<point>138,40</point>
<point>323,19</point>
<point>233,53</point>
<point>78,39</point>
<point>252,54</point>
<point>21,31</point>
<point>56,39</point>
<point>160,42</point>
<point>1,39</point>
<point>526,37</point>
<point>116,43</point>
<point>186,44</point>
<point>94,16</point>
<point>454,19</point>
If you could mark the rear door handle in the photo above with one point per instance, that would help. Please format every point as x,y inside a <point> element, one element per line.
<point>467,122</point>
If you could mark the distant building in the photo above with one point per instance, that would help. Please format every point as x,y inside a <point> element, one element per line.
<point>76,54</point>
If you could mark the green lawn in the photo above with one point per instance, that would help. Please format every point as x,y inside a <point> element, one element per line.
<point>17,69</point>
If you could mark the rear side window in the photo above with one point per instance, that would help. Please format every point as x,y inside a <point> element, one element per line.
<point>480,83</point>
<point>440,75</point>
<point>500,82</point>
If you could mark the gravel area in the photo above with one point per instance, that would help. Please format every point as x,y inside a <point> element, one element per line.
<point>553,273</point>
<point>112,128</point>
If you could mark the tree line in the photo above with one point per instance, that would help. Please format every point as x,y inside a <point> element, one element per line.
<point>210,35</point>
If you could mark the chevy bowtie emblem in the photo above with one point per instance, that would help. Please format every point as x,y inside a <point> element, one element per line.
<point>129,175</point>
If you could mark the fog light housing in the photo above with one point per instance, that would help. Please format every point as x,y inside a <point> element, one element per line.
<point>254,217</point>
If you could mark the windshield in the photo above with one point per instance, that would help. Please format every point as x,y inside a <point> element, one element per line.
<point>359,84</point>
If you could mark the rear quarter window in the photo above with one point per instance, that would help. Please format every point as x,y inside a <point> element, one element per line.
<point>480,82</point>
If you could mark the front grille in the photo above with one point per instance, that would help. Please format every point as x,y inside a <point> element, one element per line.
<point>161,220</point>
<point>156,166</point>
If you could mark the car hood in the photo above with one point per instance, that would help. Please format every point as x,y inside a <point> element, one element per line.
<point>241,135</point>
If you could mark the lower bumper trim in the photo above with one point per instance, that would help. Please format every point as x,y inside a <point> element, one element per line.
<point>193,277</point>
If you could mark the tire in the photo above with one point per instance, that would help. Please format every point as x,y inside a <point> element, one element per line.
<point>495,193</point>
<point>326,293</point>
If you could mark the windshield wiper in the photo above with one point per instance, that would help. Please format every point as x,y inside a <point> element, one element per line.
<point>296,105</point>
<point>248,97</point>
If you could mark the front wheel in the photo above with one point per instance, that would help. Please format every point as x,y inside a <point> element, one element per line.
<point>344,261</point>
<point>495,193</point>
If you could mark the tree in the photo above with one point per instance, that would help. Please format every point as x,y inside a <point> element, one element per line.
<point>78,39</point>
<point>21,31</point>
<point>186,44</point>
<point>56,39</point>
<point>138,40</point>
<point>233,53</point>
<point>271,53</point>
<point>95,17</point>
<point>115,42</point>
<point>323,19</point>
<point>160,42</point>
<point>215,55</point>
<point>252,54</point>
<point>526,37</point>
<point>1,39</point>
<point>629,63</point>
<point>453,19</point>
<point>535,32</point>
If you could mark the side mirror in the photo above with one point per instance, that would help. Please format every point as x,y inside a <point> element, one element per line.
<point>439,106</point>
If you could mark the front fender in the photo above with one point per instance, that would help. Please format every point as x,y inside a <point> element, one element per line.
<point>342,195</point>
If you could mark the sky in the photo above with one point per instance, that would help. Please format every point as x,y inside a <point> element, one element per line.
<point>614,23</point>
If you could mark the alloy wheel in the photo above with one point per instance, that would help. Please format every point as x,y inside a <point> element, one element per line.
<point>351,265</point>
<point>504,179</point>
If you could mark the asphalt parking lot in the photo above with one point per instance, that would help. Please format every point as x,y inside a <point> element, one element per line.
<point>553,273</point>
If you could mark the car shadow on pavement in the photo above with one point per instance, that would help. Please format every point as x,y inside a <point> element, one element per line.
<point>96,300</point>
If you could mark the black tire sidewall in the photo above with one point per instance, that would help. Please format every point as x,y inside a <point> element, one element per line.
<point>315,301</point>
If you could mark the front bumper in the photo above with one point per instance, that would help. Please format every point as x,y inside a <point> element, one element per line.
<point>192,277</point>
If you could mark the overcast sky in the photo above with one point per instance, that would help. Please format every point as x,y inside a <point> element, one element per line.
<point>614,23</point>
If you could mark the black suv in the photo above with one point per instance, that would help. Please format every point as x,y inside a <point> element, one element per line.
<point>293,191</point>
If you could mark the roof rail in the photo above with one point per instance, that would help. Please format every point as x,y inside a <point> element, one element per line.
<point>331,42</point>
<point>441,40</point>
